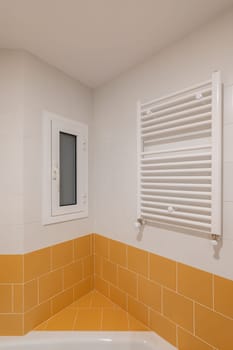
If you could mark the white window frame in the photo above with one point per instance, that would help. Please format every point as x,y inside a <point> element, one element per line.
<point>52,212</point>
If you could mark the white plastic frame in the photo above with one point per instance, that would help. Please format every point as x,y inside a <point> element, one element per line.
<point>52,212</point>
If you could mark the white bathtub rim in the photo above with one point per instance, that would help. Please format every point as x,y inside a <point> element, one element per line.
<point>51,337</point>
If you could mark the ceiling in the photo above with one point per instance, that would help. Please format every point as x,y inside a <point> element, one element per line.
<point>96,40</point>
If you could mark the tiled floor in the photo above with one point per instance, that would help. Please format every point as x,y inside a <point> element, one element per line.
<point>92,312</point>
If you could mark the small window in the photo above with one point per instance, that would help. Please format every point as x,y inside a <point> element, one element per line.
<point>65,169</point>
<point>68,169</point>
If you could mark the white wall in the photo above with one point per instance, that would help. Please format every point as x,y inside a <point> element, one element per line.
<point>28,86</point>
<point>11,151</point>
<point>46,88</point>
<point>187,62</point>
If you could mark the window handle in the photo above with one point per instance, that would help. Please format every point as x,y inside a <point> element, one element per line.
<point>84,198</point>
<point>55,176</point>
<point>55,173</point>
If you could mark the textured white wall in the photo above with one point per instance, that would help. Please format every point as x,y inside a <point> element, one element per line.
<point>28,86</point>
<point>46,88</point>
<point>11,151</point>
<point>187,62</point>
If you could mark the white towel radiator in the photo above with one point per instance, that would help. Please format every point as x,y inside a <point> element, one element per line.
<point>179,159</point>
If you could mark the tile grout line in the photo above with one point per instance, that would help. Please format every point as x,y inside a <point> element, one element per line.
<point>37,289</point>
<point>51,258</point>
<point>12,298</point>
<point>196,336</point>
<point>73,250</point>
<point>10,283</point>
<point>102,318</point>
<point>148,265</point>
<point>213,291</point>
<point>193,301</point>
<point>217,312</point>
<point>162,301</point>
<point>10,313</point>
<point>163,287</point>
<point>177,338</point>
<point>128,321</point>
<point>23,301</point>
<point>172,290</point>
<point>75,319</point>
<point>194,319</point>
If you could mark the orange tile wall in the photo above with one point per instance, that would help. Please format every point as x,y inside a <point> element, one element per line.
<point>35,286</point>
<point>190,308</point>
<point>11,296</point>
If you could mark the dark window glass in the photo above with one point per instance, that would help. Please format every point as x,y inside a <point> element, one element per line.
<point>68,169</point>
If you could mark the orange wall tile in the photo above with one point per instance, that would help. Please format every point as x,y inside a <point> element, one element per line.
<point>223,296</point>
<point>11,324</point>
<point>178,309</point>
<point>82,247</point>
<point>37,263</point>
<point>36,316</point>
<point>83,287</point>
<point>49,285</point>
<point>6,305</point>
<point>118,297</point>
<point>138,260</point>
<point>101,285</point>
<point>62,254</point>
<point>53,277</point>
<point>163,271</point>
<point>31,294</point>
<point>149,293</point>
<point>162,326</point>
<point>101,246</point>
<point>11,270</point>
<point>195,284</point>
<point>98,265</point>
<point>117,252</point>
<point>62,300</point>
<point>138,310</point>
<point>110,272</point>
<point>163,293</point>
<point>190,308</point>
<point>88,265</point>
<point>11,295</point>
<point>214,328</point>
<point>73,273</point>
<point>127,281</point>
<point>18,298</point>
<point>187,341</point>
